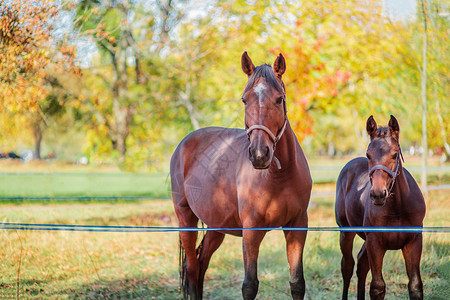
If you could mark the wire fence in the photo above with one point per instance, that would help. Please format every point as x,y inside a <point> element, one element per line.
<point>97,228</point>
<point>111,228</point>
<point>83,198</point>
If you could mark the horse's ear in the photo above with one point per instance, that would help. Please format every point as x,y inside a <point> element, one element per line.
<point>371,126</point>
<point>394,127</point>
<point>279,66</point>
<point>247,65</point>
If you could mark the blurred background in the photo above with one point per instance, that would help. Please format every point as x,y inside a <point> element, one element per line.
<point>106,82</point>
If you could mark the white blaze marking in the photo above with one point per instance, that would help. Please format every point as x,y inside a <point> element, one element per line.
<point>259,90</point>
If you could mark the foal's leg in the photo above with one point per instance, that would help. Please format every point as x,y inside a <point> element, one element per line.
<point>412,252</point>
<point>295,242</point>
<point>209,244</point>
<point>190,267</point>
<point>361,271</point>
<point>347,262</point>
<point>375,253</point>
<point>251,241</point>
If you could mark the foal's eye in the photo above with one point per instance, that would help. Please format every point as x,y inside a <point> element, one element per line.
<point>279,100</point>
<point>368,155</point>
<point>395,156</point>
<point>243,100</point>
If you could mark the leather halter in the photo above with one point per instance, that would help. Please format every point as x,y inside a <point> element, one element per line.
<point>274,138</point>
<point>391,173</point>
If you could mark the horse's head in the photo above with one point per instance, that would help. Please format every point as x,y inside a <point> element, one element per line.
<point>265,108</point>
<point>384,161</point>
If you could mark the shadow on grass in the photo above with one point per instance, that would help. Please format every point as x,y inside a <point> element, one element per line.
<point>142,287</point>
<point>225,275</point>
<point>145,219</point>
<point>321,271</point>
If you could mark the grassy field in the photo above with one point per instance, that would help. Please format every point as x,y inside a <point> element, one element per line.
<point>53,180</point>
<point>86,265</point>
<point>47,180</point>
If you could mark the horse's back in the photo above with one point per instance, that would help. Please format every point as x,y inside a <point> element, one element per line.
<point>351,192</point>
<point>206,143</point>
<point>203,173</point>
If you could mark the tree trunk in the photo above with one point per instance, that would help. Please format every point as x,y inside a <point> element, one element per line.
<point>38,132</point>
<point>186,102</point>
<point>122,112</point>
<point>122,119</point>
<point>424,103</point>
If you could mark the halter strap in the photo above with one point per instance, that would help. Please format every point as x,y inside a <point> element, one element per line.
<point>391,173</point>
<point>274,138</point>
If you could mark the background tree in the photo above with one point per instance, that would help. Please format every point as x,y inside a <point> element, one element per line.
<point>114,26</point>
<point>161,69</point>
<point>28,53</point>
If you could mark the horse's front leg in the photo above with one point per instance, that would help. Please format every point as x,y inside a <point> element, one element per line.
<point>361,271</point>
<point>412,252</point>
<point>347,261</point>
<point>295,241</point>
<point>251,241</point>
<point>375,253</point>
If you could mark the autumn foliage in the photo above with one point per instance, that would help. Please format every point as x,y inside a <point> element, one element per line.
<point>27,49</point>
<point>154,71</point>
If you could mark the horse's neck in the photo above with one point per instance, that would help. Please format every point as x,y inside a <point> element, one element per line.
<point>286,150</point>
<point>401,187</point>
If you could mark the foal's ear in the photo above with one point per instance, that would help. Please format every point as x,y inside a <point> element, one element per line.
<point>394,127</point>
<point>279,66</point>
<point>371,126</point>
<point>247,65</point>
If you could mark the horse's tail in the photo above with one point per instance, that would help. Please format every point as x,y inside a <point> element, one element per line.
<point>184,283</point>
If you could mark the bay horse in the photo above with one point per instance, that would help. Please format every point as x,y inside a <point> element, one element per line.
<point>378,192</point>
<point>235,178</point>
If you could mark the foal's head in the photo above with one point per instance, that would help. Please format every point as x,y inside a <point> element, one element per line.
<point>265,108</point>
<point>383,155</point>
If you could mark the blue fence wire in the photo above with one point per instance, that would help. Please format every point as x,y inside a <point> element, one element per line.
<point>83,198</point>
<point>111,228</point>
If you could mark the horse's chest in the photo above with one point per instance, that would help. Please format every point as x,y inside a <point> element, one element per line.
<point>391,240</point>
<point>272,209</point>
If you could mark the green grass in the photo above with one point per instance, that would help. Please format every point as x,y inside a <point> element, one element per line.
<point>42,179</point>
<point>55,179</point>
<point>86,265</point>
<point>87,184</point>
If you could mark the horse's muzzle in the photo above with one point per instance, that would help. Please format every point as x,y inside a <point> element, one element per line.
<point>260,157</point>
<point>378,197</point>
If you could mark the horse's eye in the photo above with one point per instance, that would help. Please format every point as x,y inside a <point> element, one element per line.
<point>395,156</point>
<point>368,155</point>
<point>243,100</point>
<point>279,100</point>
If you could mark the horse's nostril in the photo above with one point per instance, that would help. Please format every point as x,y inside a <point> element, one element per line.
<point>378,196</point>
<point>260,152</point>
